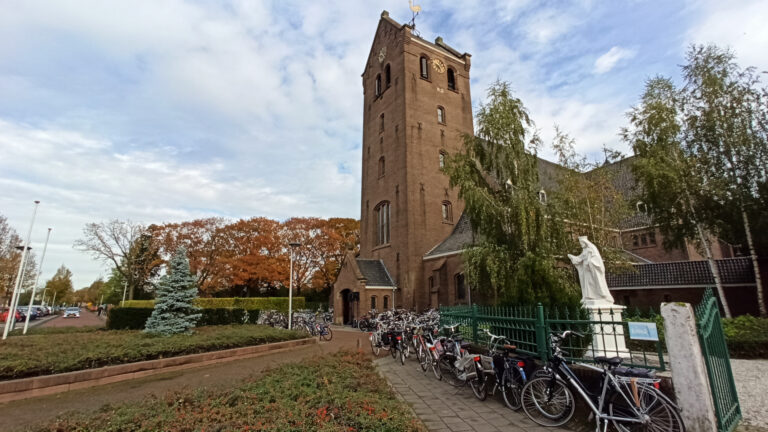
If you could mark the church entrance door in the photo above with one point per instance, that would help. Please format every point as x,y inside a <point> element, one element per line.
<point>346,310</point>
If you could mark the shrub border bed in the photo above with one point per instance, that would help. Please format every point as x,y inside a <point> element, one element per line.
<point>51,384</point>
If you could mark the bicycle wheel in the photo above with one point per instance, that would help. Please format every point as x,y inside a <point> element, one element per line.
<point>375,348</point>
<point>422,356</point>
<point>403,355</point>
<point>656,410</point>
<point>449,372</point>
<point>435,367</point>
<point>393,350</point>
<point>327,333</point>
<point>479,384</point>
<point>511,388</point>
<point>547,401</point>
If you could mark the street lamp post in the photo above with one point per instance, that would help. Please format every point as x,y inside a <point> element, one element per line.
<point>37,279</point>
<point>15,300</point>
<point>125,288</point>
<point>293,246</point>
<point>19,277</point>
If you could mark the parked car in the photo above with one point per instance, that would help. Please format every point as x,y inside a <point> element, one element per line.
<point>72,312</point>
<point>4,315</point>
<point>26,311</point>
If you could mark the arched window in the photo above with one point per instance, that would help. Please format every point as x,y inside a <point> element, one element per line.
<point>382,167</point>
<point>387,76</point>
<point>382,223</point>
<point>447,211</point>
<point>652,237</point>
<point>641,207</point>
<point>431,283</point>
<point>442,156</point>
<point>635,241</point>
<point>386,302</point>
<point>461,289</point>
<point>441,115</point>
<point>451,79</point>
<point>424,67</point>
<point>373,302</point>
<point>381,126</point>
<point>542,197</point>
<point>378,85</point>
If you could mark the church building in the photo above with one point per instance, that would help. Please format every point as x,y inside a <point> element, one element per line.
<point>416,108</point>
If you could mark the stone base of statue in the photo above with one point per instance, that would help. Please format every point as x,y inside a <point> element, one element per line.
<point>608,338</point>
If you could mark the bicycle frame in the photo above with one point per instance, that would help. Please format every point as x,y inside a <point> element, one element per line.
<point>609,384</point>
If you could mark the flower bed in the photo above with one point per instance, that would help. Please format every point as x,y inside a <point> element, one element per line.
<point>45,352</point>
<point>340,392</point>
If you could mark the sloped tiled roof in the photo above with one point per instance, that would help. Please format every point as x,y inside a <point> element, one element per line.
<point>461,237</point>
<point>733,271</point>
<point>375,273</point>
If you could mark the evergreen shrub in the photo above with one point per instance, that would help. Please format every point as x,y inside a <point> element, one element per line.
<point>174,312</point>
<point>128,318</point>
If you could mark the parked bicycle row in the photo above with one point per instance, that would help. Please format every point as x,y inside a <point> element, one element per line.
<point>314,323</point>
<point>629,399</point>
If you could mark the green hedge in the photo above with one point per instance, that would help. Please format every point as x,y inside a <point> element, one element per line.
<point>747,336</point>
<point>249,303</point>
<point>128,318</point>
<point>135,318</point>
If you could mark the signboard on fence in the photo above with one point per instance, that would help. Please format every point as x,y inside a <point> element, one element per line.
<point>646,331</point>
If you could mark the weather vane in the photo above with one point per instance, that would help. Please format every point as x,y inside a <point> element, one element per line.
<point>415,9</point>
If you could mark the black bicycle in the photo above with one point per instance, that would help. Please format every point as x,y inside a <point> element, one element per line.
<point>629,398</point>
<point>504,369</point>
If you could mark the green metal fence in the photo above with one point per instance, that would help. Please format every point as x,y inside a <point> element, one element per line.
<point>718,363</point>
<point>529,328</point>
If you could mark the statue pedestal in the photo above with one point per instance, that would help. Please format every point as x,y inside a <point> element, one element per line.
<point>607,338</point>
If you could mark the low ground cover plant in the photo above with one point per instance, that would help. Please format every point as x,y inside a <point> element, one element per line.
<point>747,336</point>
<point>339,392</point>
<point>50,352</point>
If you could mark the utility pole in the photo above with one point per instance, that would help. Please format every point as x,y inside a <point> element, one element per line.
<point>20,276</point>
<point>37,279</point>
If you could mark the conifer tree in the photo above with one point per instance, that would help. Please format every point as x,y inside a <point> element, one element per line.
<point>174,311</point>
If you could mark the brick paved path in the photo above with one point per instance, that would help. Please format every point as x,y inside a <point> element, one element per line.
<point>445,408</point>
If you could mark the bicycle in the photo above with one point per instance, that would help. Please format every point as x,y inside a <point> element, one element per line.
<point>324,331</point>
<point>508,370</point>
<point>630,399</point>
<point>457,366</point>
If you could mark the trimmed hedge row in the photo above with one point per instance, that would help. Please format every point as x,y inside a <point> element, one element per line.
<point>747,336</point>
<point>134,318</point>
<point>261,303</point>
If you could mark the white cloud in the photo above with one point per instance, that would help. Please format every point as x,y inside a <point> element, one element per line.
<point>741,28</point>
<point>608,61</point>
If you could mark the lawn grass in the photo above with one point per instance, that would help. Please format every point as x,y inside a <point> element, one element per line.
<point>339,392</point>
<point>50,351</point>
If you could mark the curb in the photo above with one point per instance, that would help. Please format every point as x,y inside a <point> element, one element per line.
<point>26,388</point>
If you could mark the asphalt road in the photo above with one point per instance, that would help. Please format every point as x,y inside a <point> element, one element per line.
<point>87,319</point>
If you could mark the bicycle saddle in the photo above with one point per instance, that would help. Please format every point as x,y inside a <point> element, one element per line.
<point>613,361</point>
<point>509,347</point>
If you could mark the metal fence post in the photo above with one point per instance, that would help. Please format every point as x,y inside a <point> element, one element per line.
<point>541,333</point>
<point>474,323</point>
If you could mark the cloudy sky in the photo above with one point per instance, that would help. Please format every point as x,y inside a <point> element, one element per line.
<point>169,110</point>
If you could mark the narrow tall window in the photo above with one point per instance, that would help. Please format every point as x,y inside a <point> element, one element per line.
<point>442,159</point>
<point>635,241</point>
<point>381,126</point>
<point>382,223</point>
<point>431,283</point>
<point>424,67</point>
<point>652,237</point>
<point>382,167</point>
<point>441,115</point>
<point>387,77</point>
<point>451,80</point>
<point>447,212</point>
<point>461,290</point>
<point>386,302</point>
<point>542,197</point>
<point>378,85</point>
<point>373,302</point>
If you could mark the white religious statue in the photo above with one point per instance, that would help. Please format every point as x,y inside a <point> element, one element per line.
<point>589,263</point>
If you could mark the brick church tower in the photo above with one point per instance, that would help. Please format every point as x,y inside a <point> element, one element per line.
<point>416,106</point>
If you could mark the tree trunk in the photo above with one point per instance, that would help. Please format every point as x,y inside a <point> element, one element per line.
<point>715,272</point>
<point>755,267</point>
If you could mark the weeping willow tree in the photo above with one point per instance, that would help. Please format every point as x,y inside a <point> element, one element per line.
<point>496,173</point>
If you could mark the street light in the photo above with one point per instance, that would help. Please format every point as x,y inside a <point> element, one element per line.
<point>293,246</point>
<point>14,298</point>
<point>37,279</point>
<point>17,297</point>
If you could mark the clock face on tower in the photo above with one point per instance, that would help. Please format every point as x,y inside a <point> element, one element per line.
<point>438,65</point>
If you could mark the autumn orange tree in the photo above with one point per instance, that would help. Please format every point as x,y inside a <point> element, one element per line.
<point>205,241</point>
<point>255,256</point>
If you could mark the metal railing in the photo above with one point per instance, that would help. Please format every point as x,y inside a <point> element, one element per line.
<point>529,328</point>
